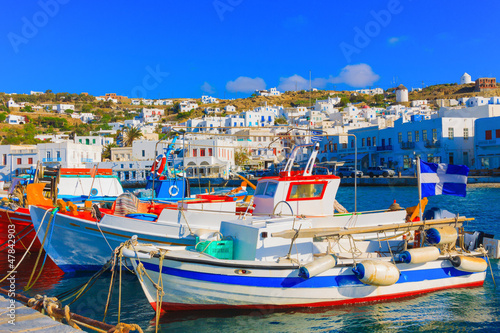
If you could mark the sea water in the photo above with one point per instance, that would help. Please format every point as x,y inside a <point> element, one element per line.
<point>455,310</point>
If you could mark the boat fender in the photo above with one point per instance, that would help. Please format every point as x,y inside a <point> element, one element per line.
<point>376,273</point>
<point>158,165</point>
<point>420,255</point>
<point>444,235</point>
<point>133,254</point>
<point>317,266</point>
<point>173,190</point>
<point>469,264</point>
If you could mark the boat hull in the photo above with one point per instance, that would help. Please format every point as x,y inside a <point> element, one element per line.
<point>23,227</point>
<point>189,285</point>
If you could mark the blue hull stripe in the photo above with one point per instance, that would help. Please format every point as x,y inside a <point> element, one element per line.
<point>297,282</point>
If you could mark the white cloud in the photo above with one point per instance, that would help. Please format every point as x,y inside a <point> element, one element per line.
<point>360,75</point>
<point>206,87</point>
<point>395,40</point>
<point>246,84</point>
<point>297,82</point>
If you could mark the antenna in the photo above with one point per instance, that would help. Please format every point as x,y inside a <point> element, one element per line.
<point>310,88</point>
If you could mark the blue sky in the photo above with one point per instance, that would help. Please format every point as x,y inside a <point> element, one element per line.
<point>187,48</point>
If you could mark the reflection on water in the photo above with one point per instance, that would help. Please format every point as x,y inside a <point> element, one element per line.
<point>458,310</point>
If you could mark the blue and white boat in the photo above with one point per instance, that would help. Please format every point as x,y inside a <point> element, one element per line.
<point>258,266</point>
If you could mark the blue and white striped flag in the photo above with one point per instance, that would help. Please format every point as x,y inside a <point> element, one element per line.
<point>316,138</point>
<point>448,179</point>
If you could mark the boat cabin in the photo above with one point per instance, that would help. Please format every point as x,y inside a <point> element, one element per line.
<point>297,193</point>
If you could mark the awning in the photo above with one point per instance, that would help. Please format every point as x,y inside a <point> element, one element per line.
<point>351,157</point>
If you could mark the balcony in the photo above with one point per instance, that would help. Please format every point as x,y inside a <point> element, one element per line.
<point>52,159</point>
<point>432,144</point>
<point>383,148</point>
<point>87,160</point>
<point>494,142</point>
<point>407,145</point>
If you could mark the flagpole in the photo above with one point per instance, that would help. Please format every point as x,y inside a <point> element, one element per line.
<point>419,190</point>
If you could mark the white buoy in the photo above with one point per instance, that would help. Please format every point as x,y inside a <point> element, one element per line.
<point>419,255</point>
<point>444,235</point>
<point>469,264</point>
<point>376,273</point>
<point>317,266</point>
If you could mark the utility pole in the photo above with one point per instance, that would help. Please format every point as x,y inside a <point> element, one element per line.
<point>310,89</point>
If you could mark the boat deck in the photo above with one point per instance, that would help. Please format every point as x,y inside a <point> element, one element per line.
<point>28,320</point>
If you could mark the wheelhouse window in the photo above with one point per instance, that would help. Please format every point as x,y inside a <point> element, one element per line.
<point>306,191</point>
<point>266,189</point>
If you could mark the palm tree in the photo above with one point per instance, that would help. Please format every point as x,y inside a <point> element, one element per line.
<point>133,133</point>
<point>106,151</point>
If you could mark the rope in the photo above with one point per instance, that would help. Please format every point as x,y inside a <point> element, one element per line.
<point>27,251</point>
<point>30,284</point>
<point>159,292</point>
<point>125,328</point>
<point>187,223</point>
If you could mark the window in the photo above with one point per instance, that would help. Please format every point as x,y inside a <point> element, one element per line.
<point>374,142</point>
<point>260,189</point>
<point>306,191</point>
<point>390,141</point>
<point>450,158</point>
<point>466,133</point>
<point>93,141</point>
<point>30,160</point>
<point>434,134</point>
<point>271,189</point>
<point>202,151</point>
<point>424,135</point>
<point>410,136</point>
<point>450,133</point>
<point>48,154</point>
<point>487,135</point>
<point>465,158</point>
<point>210,152</point>
<point>352,143</point>
<point>19,161</point>
<point>497,133</point>
<point>368,141</point>
<point>417,136</point>
<point>400,137</point>
<point>143,153</point>
<point>58,154</point>
<point>195,152</point>
<point>362,142</point>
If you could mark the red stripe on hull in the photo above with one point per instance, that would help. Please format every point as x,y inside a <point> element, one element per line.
<point>186,307</point>
<point>22,220</point>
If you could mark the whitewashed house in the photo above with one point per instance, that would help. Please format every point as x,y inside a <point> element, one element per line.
<point>163,102</point>
<point>69,154</point>
<point>15,120</point>
<point>16,158</point>
<point>270,92</point>
<point>209,100</point>
<point>151,115</point>
<point>186,106</point>
<point>94,140</point>
<point>61,108</point>
<point>230,108</point>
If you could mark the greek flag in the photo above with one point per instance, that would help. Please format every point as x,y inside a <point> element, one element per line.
<point>448,179</point>
<point>316,138</point>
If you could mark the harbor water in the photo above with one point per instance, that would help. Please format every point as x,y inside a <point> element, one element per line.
<point>456,310</point>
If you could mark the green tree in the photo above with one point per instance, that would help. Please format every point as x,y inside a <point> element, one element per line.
<point>280,121</point>
<point>3,116</point>
<point>240,157</point>
<point>131,134</point>
<point>379,98</point>
<point>344,101</point>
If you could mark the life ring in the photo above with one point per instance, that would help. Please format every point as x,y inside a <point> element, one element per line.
<point>159,165</point>
<point>172,189</point>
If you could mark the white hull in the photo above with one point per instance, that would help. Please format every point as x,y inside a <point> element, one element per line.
<point>197,281</point>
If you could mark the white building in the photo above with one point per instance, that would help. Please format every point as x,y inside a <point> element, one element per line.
<point>465,79</point>
<point>61,108</point>
<point>419,102</point>
<point>163,102</point>
<point>212,110</point>
<point>36,92</point>
<point>83,116</point>
<point>374,91</point>
<point>209,99</point>
<point>186,106</point>
<point>230,108</point>
<point>94,140</point>
<point>151,115</point>
<point>15,158</point>
<point>15,120</point>
<point>69,154</point>
<point>401,94</point>
<point>270,92</point>
<point>12,104</point>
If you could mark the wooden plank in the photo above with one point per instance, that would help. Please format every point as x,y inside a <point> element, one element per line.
<point>16,317</point>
